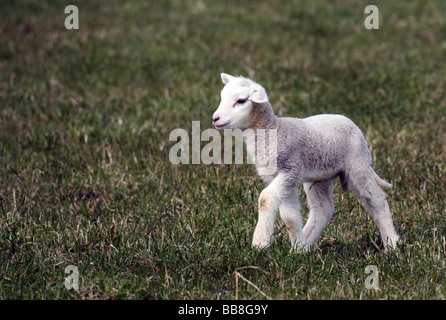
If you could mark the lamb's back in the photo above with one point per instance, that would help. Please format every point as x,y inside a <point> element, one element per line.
<point>320,142</point>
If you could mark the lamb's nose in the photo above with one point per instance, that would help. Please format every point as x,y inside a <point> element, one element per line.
<point>215,119</point>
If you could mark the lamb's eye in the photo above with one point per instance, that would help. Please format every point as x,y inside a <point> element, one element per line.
<point>241,101</point>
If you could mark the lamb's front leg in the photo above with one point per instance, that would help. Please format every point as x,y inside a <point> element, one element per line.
<point>268,206</point>
<point>271,198</point>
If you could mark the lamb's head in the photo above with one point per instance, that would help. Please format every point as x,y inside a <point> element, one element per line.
<point>238,99</point>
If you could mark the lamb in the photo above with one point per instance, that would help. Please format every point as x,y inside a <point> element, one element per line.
<point>313,151</point>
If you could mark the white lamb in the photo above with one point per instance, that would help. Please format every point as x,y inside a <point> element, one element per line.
<point>314,152</point>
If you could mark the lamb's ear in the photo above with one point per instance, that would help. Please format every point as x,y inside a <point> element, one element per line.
<point>226,78</point>
<point>257,93</point>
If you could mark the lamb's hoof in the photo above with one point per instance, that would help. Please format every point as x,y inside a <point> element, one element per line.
<point>393,245</point>
<point>261,244</point>
<point>300,248</point>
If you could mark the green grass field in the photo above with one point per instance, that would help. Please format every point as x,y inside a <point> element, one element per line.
<point>85,176</point>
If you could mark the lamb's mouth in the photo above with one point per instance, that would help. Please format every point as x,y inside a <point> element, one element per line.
<point>221,126</point>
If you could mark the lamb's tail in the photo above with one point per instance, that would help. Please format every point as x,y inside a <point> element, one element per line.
<point>381,183</point>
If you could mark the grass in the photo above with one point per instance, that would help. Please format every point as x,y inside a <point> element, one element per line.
<point>85,177</point>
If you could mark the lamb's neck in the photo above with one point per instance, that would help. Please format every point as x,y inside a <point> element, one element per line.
<point>261,140</point>
<point>263,117</point>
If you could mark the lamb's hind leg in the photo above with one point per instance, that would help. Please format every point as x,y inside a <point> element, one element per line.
<point>364,185</point>
<point>320,202</point>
